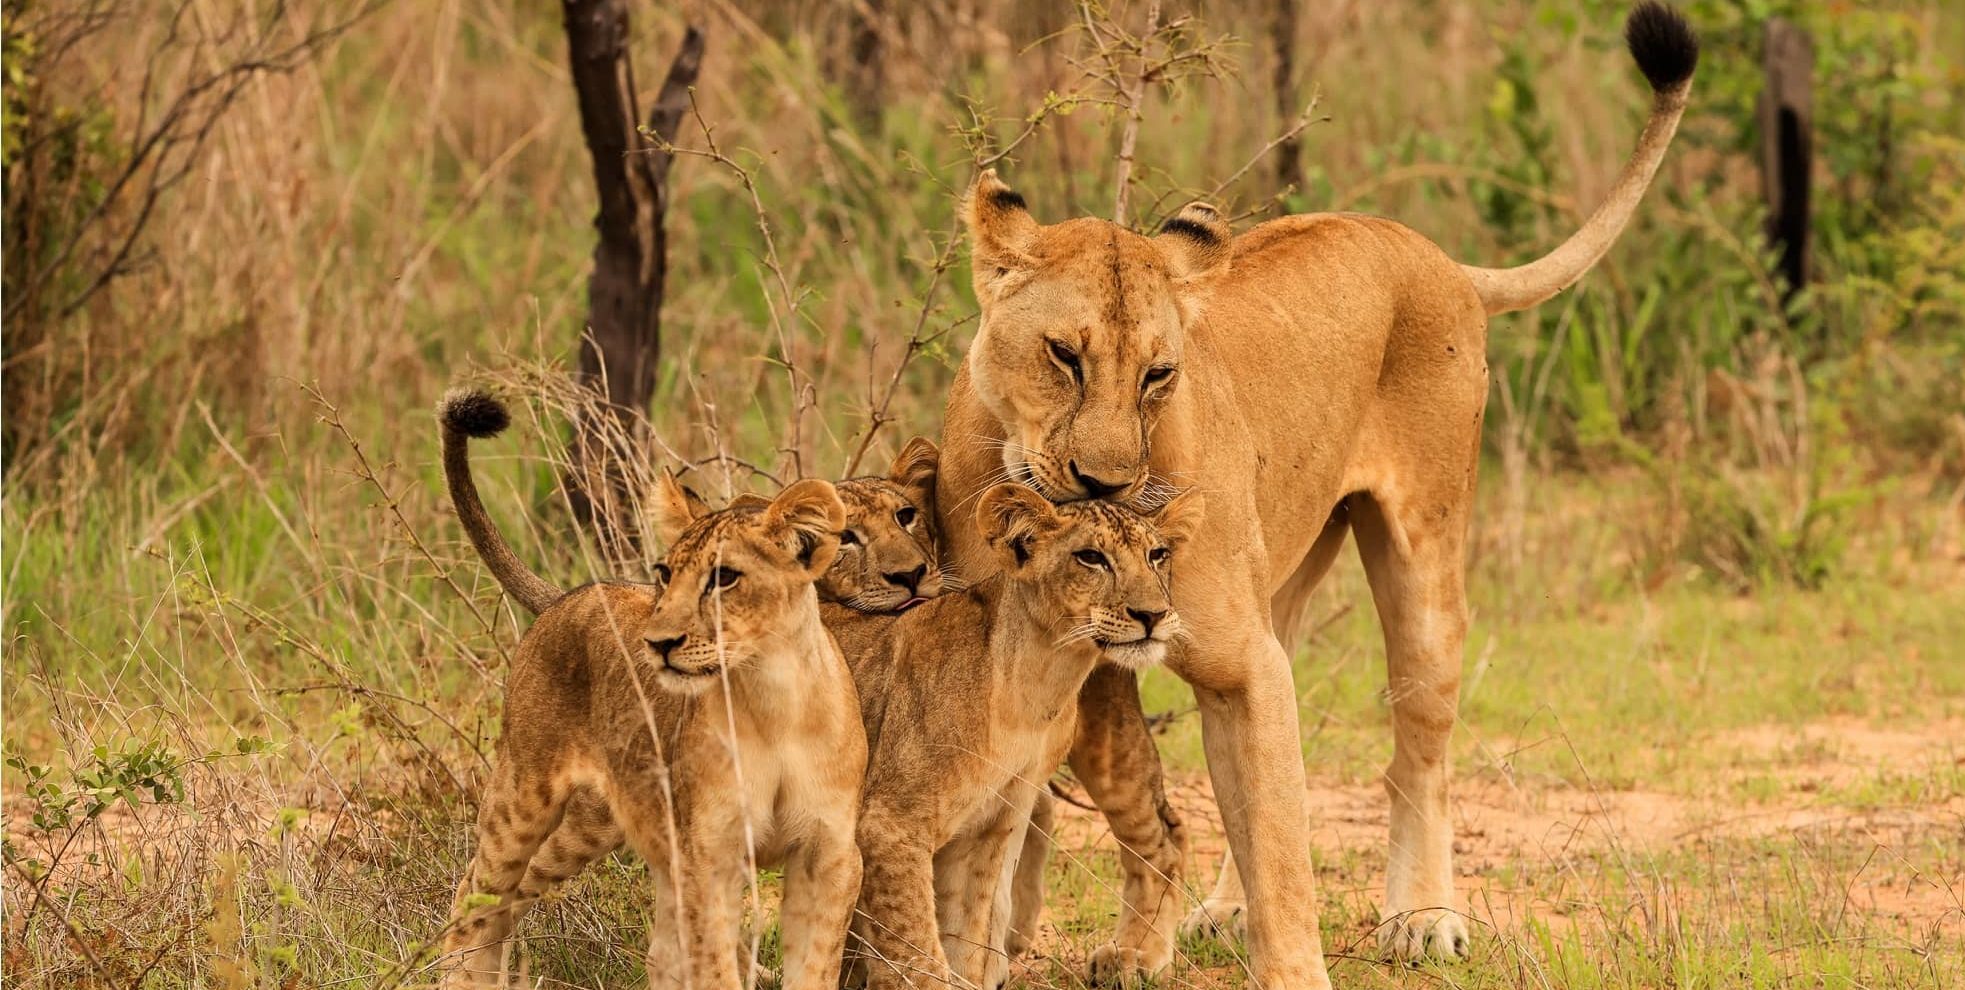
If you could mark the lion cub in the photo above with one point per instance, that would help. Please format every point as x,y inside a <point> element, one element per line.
<point>710,719</point>
<point>970,702</point>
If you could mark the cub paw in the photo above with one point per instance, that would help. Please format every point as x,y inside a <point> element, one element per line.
<point>1434,933</point>
<point>1115,965</point>
<point>1220,920</point>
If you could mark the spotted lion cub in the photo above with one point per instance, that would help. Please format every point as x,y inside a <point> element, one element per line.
<point>970,702</point>
<point>710,720</point>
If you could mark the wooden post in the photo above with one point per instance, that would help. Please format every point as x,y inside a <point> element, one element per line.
<point>622,346</point>
<point>1787,137</point>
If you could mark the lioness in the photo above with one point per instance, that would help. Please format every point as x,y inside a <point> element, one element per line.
<point>1317,376</point>
<point>970,703</point>
<point>711,720</point>
<point>888,558</point>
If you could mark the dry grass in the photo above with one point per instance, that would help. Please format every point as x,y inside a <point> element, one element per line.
<point>225,522</point>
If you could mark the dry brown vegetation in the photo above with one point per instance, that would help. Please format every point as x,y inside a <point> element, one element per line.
<point>1720,541</point>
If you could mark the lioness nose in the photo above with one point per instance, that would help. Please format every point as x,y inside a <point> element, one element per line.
<point>1147,620</point>
<point>1097,487</point>
<point>910,580</point>
<point>663,647</point>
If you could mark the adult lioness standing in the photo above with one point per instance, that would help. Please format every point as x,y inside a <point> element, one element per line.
<point>1315,376</point>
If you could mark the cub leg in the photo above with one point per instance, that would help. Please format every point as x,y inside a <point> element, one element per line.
<point>586,833</point>
<point>969,875</point>
<point>1114,757</point>
<point>822,883</point>
<point>895,922</point>
<point>697,904</point>
<point>520,808</point>
<point>1027,881</point>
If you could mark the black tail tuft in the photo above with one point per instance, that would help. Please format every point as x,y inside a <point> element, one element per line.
<point>474,413</point>
<point>1663,43</point>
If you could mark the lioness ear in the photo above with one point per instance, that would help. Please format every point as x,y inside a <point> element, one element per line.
<point>811,516</point>
<point>1195,240</point>
<point>1000,234</point>
<point>676,506</point>
<point>1010,516</point>
<point>1180,519</point>
<point>914,470</point>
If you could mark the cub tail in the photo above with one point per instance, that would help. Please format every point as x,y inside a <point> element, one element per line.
<point>468,414</point>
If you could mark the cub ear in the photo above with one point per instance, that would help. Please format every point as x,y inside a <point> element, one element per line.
<point>1001,232</point>
<point>1010,517</point>
<point>748,501</point>
<point>676,506</point>
<point>1195,240</point>
<point>810,516</point>
<point>915,469</point>
<point>1180,518</point>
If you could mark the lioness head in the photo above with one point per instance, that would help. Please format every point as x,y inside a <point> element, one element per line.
<point>1096,571</point>
<point>736,581</point>
<point>1080,344</point>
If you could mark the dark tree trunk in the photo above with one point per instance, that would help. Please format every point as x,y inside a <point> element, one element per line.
<point>1282,33</point>
<point>1787,126</point>
<point>621,350</point>
<point>866,76</point>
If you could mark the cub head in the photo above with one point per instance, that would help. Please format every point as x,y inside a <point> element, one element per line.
<point>1082,333</point>
<point>888,555</point>
<point>1094,571</point>
<point>737,581</point>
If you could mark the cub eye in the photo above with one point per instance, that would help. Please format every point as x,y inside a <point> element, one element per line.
<point>849,539</point>
<point>905,516</point>
<point>1090,558</point>
<point>1156,376</point>
<point>723,578</point>
<point>1159,555</point>
<point>1065,356</point>
<point>663,574</point>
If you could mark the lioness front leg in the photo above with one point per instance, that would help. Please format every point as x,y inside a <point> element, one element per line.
<point>895,922</point>
<point>822,884</point>
<point>1249,729</point>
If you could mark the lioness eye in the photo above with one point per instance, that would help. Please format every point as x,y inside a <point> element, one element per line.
<point>1159,555</point>
<point>663,574</point>
<point>1064,356</point>
<point>1090,558</point>
<point>1156,376</point>
<point>905,517</point>
<point>724,577</point>
<point>849,539</point>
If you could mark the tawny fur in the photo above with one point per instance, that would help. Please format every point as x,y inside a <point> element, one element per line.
<point>1317,376</point>
<point>709,722</point>
<point>970,704</point>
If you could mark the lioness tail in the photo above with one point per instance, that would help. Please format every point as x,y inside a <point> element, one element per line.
<point>1666,51</point>
<point>472,413</point>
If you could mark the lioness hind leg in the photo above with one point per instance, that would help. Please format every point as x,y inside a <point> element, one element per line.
<point>519,809</point>
<point>1415,566</point>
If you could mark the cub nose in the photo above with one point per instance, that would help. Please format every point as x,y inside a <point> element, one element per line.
<point>663,647</point>
<point>910,580</point>
<point>1096,487</point>
<point>1146,619</point>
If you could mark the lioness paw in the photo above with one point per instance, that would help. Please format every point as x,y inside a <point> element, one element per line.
<point>1435,933</point>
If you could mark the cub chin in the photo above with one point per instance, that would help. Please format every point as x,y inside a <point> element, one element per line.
<point>709,721</point>
<point>970,705</point>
